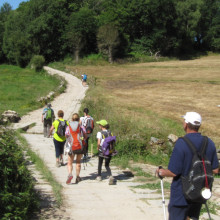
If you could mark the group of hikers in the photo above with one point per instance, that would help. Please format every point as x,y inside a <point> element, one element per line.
<point>192,149</point>
<point>75,136</point>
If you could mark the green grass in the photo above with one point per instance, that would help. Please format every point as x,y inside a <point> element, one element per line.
<point>42,167</point>
<point>153,186</point>
<point>211,206</point>
<point>139,172</point>
<point>21,88</point>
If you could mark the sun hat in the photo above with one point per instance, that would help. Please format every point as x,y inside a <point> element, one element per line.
<point>102,122</point>
<point>193,118</point>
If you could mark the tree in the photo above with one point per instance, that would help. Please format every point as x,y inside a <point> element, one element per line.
<point>81,31</point>
<point>16,43</point>
<point>4,12</point>
<point>108,40</point>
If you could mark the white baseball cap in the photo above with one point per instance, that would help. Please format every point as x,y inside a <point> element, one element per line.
<point>193,118</point>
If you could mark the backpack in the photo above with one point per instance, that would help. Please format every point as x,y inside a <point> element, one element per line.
<point>108,145</point>
<point>49,113</point>
<point>200,175</point>
<point>89,124</point>
<point>61,128</point>
<point>77,140</point>
<point>84,77</point>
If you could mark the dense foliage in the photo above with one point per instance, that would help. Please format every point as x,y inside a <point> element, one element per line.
<point>56,28</point>
<point>17,197</point>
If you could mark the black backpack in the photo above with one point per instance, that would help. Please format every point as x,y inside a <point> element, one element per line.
<point>61,128</point>
<point>89,124</point>
<point>200,175</point>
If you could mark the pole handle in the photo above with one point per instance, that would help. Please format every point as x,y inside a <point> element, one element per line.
<point>160,167</point>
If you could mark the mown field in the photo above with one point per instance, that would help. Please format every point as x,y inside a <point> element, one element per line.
<point>153,96</point>
<point>21,88</point>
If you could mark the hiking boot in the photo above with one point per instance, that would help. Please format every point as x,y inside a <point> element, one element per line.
<point>99,178</point>
<point>78,179</point>
<point>69,178</point>
<point>58,164</point>
<point>112,180</point>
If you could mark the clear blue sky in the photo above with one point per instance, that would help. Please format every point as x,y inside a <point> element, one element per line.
<point>14,3</point>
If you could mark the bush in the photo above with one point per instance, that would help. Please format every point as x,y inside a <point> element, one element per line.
<point>37,62</point>
<point>17,195</point>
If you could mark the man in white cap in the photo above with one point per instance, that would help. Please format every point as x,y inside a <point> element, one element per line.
<point>179,165</point>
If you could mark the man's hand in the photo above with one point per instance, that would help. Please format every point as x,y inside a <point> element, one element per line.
<point>160,172</point>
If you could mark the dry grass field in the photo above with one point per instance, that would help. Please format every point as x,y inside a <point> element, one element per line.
<point>149,91</point>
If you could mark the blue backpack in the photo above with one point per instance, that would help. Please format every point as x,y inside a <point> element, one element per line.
<point>84,77</point>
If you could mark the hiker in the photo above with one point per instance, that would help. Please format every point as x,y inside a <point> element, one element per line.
<point>48,117</point>
<point>59,138</point>
<point>74,126</point>
<point>104,132</point>
<point>87,122</point>
<point>179,165</point>
<point>84,79</point>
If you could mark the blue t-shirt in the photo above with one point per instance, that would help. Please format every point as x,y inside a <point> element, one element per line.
<point>180,163</point>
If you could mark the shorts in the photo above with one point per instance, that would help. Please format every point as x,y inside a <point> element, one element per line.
<point>181,212</point>
<point>47,122</point>
<point>194,211</point>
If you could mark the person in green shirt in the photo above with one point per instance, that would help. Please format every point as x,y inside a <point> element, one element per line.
<point>59,139</point>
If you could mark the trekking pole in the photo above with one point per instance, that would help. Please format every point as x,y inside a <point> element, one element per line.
<point>208,210</point>
<point>163,200</point>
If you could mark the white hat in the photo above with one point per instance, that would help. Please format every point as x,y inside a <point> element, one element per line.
<point>193,118</point>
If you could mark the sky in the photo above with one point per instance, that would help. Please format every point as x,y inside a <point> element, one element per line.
<point>13,3</point>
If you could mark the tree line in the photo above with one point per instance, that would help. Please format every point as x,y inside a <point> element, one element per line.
<point>55,29</point>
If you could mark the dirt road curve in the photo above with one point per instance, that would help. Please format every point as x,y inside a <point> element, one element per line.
<point>88,199</point>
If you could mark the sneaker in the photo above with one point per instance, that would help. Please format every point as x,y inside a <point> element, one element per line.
<point>58,164</point>
<point>112,180</point>
<point>69,178</point>
<point>78,179</point>
<point>99,178</point>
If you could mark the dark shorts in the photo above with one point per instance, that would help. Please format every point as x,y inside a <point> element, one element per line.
<point>59,147</point>
<point>181,212</point>
<point>194,211</point>
<point>47,122</point>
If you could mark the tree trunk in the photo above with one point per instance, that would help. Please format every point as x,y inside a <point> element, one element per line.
<point>77,55</point>
<point>110,56</point>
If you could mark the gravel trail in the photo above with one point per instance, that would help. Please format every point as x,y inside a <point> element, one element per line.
<point>88,199</point>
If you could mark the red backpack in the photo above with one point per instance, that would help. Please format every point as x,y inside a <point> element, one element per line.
<point>79,143</point>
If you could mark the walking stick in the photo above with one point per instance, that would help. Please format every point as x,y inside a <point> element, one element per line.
<point>207,208</point>
<point>163,200</point>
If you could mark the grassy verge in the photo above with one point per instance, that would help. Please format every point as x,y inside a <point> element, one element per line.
<point>21,88</point>
<point>46,173</point>
<point>18,199</point>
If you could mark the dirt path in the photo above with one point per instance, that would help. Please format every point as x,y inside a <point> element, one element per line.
<point>89,199</point>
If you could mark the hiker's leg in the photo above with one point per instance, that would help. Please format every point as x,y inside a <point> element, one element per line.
<point>49,124</point>
<point>62,150</point>
<point>107,162</point>
<point>78,164</point>
<point>180,211</point>
<point>87,143</point>
<point>100,165</point>
<point>70,164</point>
<point>194,211</point>
<point>45,128</point>
<point>57,149</point>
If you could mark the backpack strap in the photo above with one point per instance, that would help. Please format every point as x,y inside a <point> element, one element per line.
<point>106,133</point>
<point>193,148</point>
<point>204,145</point>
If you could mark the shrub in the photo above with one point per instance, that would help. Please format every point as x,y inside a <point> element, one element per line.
<point>37,62</point>
<point>17,195</point>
